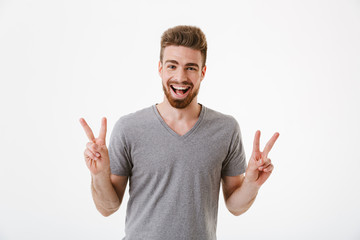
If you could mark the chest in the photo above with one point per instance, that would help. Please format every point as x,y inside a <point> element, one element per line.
<point>164,153</point>
<point>181,128</point>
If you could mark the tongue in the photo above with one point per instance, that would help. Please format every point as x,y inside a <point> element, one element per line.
<point>180,92</point>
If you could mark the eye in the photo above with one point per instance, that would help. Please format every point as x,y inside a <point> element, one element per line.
<point>191,69</point>
<point>171,67</point>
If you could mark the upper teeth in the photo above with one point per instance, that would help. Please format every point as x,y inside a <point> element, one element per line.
<point>180,88</point>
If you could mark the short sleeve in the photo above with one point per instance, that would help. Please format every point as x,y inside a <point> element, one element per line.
<point>235,161</point>
<point>120,161</point>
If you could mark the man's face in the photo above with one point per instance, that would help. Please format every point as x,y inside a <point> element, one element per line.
<point>181,74</point>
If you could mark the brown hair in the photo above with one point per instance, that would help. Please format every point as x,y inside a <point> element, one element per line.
<point>187,36</point>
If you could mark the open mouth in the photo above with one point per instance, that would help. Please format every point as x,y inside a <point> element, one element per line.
<point>180,91</point>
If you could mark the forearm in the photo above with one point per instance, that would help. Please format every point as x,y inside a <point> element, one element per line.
<point>242,198</point>
<point>104,195</point>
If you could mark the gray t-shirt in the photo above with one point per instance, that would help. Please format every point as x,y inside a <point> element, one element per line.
<point>174,180</point>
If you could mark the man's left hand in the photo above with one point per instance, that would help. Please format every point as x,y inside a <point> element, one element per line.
<point>260,166</point>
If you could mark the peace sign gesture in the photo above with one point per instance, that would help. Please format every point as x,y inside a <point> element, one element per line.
<point>96,153</point>
<point>260,166</point>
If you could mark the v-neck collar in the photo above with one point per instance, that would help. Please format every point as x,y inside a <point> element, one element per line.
<point>172,132</point>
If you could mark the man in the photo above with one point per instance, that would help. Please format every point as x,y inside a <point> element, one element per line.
<point>175,154</point>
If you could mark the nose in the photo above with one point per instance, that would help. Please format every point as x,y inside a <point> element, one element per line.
<point>180,75</point>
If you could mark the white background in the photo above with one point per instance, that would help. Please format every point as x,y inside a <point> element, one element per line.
<point>286,66</point>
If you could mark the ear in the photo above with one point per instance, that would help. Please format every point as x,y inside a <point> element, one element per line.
<point>203,71</point>
<point>160,66</point>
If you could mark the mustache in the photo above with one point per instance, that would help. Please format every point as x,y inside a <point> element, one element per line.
<point>181,83</point>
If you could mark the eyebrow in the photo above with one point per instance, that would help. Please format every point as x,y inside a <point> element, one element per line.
<point>188,64</point>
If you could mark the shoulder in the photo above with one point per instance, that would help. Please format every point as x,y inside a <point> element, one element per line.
<point>223,127</point>
<point>222,119</point>
<point>135,120</point>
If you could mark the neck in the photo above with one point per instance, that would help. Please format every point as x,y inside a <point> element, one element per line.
<point>191,112</point>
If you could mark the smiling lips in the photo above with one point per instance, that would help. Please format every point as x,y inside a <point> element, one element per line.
<point>180,91</point>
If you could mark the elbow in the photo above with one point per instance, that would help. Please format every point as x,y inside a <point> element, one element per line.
<point>106,212</point>
<point>237,213</point>
<point>240,210</point>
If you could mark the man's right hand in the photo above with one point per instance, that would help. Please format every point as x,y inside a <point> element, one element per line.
<point>96,153</point>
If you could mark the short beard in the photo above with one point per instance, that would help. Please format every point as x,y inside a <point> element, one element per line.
<point>177,103</point>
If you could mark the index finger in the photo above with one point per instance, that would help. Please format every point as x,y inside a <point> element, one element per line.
<point>87,129</point>
<point>270,143</point>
